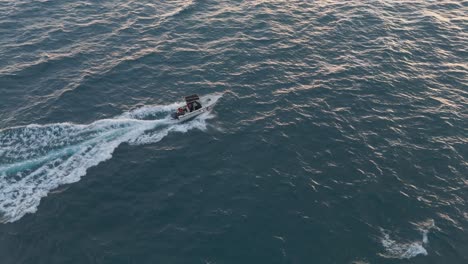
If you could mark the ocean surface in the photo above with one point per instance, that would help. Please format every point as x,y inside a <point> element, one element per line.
<point>340,133</point>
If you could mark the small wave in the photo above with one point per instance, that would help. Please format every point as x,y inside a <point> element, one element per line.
<point>37,159</point>
<point>407,250</point>
<point>183,9</point>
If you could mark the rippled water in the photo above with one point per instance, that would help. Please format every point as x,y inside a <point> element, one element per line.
<point>340,138</point>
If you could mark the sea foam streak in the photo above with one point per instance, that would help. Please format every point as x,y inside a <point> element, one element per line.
<point>406,250</point>
<point>36,159</point>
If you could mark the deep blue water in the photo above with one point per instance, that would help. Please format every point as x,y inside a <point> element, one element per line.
<point>340,137</point>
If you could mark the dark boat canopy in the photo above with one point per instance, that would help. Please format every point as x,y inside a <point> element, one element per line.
<point>192,98</point>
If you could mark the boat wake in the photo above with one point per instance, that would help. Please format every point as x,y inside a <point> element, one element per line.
<point>36,159</point>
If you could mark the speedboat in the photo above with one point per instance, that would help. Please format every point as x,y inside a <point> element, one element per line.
<point>195,106</point>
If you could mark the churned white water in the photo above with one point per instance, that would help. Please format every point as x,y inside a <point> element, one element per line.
<point>406,250</point>
<point>35,159</point>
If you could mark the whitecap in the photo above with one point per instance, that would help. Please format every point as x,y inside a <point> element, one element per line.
<point>405,249</point>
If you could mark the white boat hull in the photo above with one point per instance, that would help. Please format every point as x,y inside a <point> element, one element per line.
<point>207,102</point>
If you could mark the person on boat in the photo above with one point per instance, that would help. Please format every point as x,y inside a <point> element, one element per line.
<point>180,111</point>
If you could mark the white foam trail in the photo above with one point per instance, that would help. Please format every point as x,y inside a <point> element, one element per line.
<point>149,111</point>
<point>36,159</point>
<point>406,250</point>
